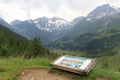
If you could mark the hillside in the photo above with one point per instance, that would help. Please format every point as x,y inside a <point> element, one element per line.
<point>13,44</point>
<point>8,40</point>
<point>93,43</point>
<point>8,32</point>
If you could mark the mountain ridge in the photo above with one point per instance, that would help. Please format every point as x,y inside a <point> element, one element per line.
<point>52,29</point>
<point>92,35</point>
<point>48,29</point>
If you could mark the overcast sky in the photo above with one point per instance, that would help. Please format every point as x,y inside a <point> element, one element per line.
<point>31,9</point>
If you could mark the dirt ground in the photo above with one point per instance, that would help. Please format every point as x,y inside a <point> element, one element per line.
<point>41,74</point>
<point>44,74</point>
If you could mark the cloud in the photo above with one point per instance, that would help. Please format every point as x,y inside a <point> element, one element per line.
<point>67,9</point>
<point>7,1</point>
<point>3,15</point>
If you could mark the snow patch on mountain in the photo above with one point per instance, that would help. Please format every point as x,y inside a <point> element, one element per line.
<point>30,21</point>
<point>37,24</point>
<point>88,19</point>
<point>52,24</point>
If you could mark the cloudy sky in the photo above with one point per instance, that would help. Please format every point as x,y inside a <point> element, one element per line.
<point>31,9</point>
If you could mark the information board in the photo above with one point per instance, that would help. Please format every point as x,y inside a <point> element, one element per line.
<point>74,63</point>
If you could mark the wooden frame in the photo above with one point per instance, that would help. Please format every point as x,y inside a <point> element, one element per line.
<point>74,64</point>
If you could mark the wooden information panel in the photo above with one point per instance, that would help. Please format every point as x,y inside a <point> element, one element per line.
<point>78,65</point>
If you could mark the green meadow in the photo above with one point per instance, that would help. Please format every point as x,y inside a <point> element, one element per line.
<point>107,67</point>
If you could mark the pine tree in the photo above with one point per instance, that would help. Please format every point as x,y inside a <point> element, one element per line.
<point>36,48</point>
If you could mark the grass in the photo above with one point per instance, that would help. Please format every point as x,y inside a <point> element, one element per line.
<point>11,66</point>
<point>107,67</point>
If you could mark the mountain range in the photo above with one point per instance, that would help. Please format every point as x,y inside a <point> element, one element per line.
<point>96,33</point>
<point>48,29</point>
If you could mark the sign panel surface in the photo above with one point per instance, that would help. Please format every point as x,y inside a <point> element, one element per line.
<point>73,62</point>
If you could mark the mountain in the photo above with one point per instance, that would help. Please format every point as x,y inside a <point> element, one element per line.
<point>15,22</point>
<point>46,24</point>
<point>103,11</point>
<point>48,29</point>
<point>52,24</point>
<point>95,24</point>
<point>95,34</point>
<point>4,23</point>
<point>78,19</point>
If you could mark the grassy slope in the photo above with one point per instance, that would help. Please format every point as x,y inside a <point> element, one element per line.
<point>107,66</point>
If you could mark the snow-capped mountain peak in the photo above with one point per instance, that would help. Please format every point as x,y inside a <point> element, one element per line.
<point>46,24</point>
<point>102,11</point>
<point>51,24</point>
